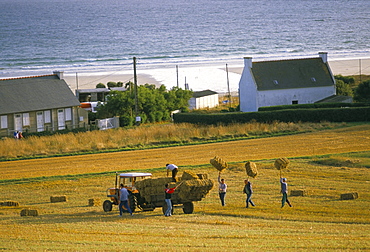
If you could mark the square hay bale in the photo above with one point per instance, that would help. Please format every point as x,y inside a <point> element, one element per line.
<point>298,193</point>
<point>349,196</point>
<point>188,175</point>
<point>9,203</point>
<point>251,169</point>
<point>202,176</point>
<point>61,198</point>
<point>94,202</point>
<point>29,212</point>
<point>219,163</point>
<point>281,163</point>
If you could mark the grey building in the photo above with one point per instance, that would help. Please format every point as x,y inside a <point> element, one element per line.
<point>38,103</point>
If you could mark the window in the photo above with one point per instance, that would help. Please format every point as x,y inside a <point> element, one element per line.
<point>26,119</point>
<point>68,112</point>
<point>295,102</point>
<point>4,122</point>
<point>47,117</point>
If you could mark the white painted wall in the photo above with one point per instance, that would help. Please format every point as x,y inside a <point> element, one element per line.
<point>286,96</point>
<point>209,101</point>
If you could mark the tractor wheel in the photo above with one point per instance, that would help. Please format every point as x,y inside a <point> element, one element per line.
<point>133,202</point>
<point>164,208</point>
<point>188,207</point>
<point>107,206</point>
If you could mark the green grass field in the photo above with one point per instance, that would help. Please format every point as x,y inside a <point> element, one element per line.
<point>319,221</point>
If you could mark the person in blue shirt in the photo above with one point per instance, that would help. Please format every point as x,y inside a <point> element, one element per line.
<point>123,200</point>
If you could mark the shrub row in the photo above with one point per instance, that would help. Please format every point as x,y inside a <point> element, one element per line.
<point>357,114</point>
<point>315,105</point>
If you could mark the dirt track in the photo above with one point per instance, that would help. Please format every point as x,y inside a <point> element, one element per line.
<point>351,139</point>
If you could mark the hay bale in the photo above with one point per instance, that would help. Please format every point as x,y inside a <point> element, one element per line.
<point>61,198</point>
<point>194,190</point>
<point>29,212</point>
<point>349,196</point>
<point>298,193</point>
<point>188,175</point>
<point>202,176</point>
<point>219,163</point>
<point>251,169</point>
<point>281,163</point>
<point>94,202</point>
<point>9,203</point>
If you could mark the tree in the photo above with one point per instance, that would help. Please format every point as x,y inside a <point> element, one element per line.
<point>100,85</point>
<point>112,84</point>
<point>154,104</point>
<point>362,92</point>
<point>345,79</point>
<point>343,88</point>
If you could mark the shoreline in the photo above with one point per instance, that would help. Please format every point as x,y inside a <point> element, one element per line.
<point>200,77</point>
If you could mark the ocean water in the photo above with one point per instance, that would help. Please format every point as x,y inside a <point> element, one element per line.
<point>92,36</point>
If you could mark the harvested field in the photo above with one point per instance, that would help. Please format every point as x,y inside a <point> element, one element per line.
<point>351,139</point>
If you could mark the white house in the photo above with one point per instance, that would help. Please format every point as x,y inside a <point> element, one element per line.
<point>203,99</point>
<point>284,82</point>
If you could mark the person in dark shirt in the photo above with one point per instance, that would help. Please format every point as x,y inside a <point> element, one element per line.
<point>284,191</point>
<point>248,190</point>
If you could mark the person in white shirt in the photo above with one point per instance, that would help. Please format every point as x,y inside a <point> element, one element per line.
<point>174,169</point>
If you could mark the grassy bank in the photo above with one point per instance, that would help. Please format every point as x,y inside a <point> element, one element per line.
<point>147,137</point>
<point>319,221</point>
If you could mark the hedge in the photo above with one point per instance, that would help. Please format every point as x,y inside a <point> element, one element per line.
<point>315,105</point>
<point>355,114</point>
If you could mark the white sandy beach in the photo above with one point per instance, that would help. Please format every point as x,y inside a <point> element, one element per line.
<point>198,77</point>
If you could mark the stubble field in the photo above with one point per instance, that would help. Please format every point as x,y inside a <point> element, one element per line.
<point>317,222</point>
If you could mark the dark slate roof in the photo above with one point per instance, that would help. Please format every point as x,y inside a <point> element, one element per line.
<point>335,98</point>
<point>295,73</point>
<point>203,93</point>
<point>35,93</point>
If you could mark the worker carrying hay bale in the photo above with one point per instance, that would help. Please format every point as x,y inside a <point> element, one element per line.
<point>281,163</point>
<point>219,163</point>
<point>251,169</point>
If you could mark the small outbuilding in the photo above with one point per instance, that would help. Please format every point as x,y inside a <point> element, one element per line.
<point>203,99</point>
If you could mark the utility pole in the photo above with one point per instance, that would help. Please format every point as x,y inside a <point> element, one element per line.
<point>177,75</point>
<point>137,119</point>
<point>228,86</point>
<point>360,70</point>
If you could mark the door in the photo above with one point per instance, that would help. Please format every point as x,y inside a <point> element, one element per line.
<point>40,121</point>
<point>61,121</point>
<point>18,122</point>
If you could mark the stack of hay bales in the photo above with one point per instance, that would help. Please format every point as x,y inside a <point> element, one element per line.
<point>29,212</point>
<point>153,186</point>
<point>9,203</point>
<point>61,198</point>
<point>281,163</point>
<point>219,163</point>
<point>191,188</point>
<point>349,196</point>
<point>251,169</point>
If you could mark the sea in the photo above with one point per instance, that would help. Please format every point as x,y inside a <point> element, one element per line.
<point>195,41</point>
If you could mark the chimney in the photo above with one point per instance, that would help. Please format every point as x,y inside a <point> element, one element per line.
<point>248,62</point>
<point>324,56</point>
<point>60,74</point>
